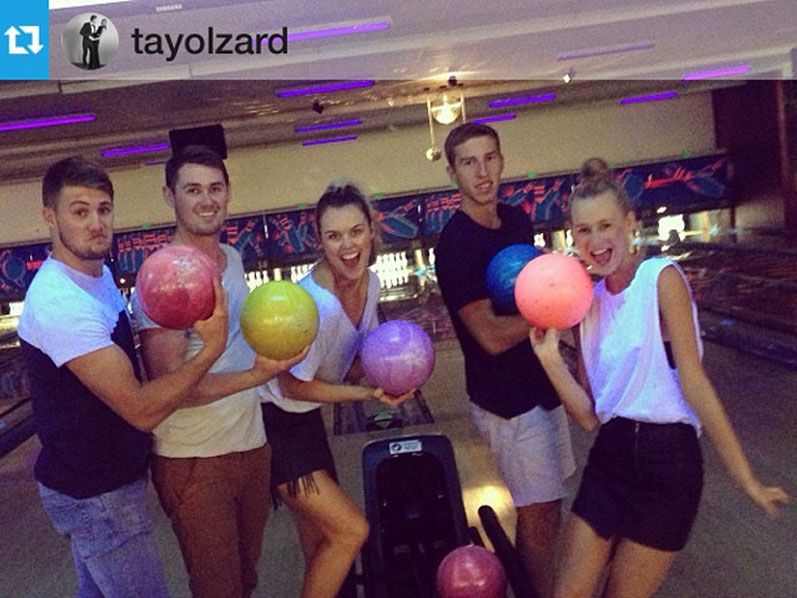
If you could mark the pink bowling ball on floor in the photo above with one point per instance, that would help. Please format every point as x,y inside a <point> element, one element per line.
<point>397,356</point>
<point>471,572</point>
<point>553,291</point>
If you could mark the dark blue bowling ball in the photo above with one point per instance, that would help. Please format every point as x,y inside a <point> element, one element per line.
<point>503,272</point>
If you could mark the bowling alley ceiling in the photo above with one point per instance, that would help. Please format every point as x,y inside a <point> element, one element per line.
<point>409,49</point>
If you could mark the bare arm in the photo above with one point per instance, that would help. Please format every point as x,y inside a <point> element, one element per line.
<point>494,333</point>
<point>164,352</point>
<point>676,312</point>
<point>109,374</point>
<point>324,392</point>
<point>575,396</point>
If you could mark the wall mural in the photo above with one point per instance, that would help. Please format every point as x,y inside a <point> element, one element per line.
<point>281,237</point>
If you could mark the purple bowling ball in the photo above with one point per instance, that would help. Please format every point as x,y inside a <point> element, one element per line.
<point>397,356</point>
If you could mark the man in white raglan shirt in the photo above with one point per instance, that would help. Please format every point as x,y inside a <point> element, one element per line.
<point>92,412</point>
<point>212,463</point>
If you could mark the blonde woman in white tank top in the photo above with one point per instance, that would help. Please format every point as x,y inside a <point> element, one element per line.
<point>648,400</point>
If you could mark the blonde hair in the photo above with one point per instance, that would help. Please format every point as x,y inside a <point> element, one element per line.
<point>594,178</point>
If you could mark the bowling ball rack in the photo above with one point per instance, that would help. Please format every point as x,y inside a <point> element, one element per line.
<point>413,503</point>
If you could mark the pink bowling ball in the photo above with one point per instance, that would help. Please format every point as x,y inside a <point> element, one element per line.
<point>471,572</point>
<point>553,291</point>
<point>175,286</point>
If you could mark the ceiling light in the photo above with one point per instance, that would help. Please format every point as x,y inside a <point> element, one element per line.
<point>141,149</point>
<point>605,50</point>
<point>445,111</point>
<point>720,72</point>
<point>51,121</point>
<point>546,97</point>
<point>653,97</point>
<point>338,30</point>
<point>496,118</point>
<point>332,125</point>
<point>322,88</point>
<point>57,4</point>
<point>329,140</point>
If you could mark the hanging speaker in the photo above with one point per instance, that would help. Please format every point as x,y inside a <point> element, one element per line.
<point>211,136</point>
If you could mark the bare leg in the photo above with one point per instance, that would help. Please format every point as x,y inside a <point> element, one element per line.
<point>637,571</point>
<point>309,537</point>
<point>537,528</point>
<point>583,560</point>
<point>331,516</point>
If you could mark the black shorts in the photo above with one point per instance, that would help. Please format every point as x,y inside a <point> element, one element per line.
<point>642,482</point>
<point>299,447</point>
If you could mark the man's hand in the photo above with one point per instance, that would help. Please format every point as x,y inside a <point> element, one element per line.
<point>213,331</point>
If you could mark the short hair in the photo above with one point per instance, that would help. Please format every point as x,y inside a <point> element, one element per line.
<point>595,177</point>
<point>463,133</point>
<point>74,171</point>
<point>193,154</point>
<point>92,17</point>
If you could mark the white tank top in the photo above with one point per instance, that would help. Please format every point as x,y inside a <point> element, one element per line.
<point>624,352</point>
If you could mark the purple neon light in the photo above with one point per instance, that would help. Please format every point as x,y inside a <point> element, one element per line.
<point>47,122</point>
<point>141,149</point>
<point>329,140</point>
<point>324,126</point>
<point>546,97</point>
<point>653,97</point>
<point>323,88</point>
<point>721,72</point>
<point>338,31</point>
<point>496,118</point>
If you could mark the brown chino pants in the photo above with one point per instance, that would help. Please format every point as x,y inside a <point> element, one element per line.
<point>218,507</point>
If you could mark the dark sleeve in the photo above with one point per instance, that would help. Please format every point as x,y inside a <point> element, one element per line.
<point>521,222</point>
<point>85,29</point>
<point>460,276</point>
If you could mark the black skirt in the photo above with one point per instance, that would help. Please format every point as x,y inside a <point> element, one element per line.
<point>642,482</point>
<point>299,447</point>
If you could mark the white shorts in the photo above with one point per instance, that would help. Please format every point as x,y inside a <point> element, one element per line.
<point>533,452</point>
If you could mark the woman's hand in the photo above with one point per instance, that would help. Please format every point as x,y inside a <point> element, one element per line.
<point>767,498</point>
<point>264,369</point>
<point>390,400</point>
<point>545,343</point>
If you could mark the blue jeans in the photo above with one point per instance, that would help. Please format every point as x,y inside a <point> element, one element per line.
<point>112,543</point>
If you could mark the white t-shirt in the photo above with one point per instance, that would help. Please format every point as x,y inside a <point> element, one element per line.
<point>335,346</point>
<point>229,425</point>
<point>61,299</point>
<point>624,352</point>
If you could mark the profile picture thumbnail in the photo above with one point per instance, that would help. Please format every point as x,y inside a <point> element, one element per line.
<point>90,41</point>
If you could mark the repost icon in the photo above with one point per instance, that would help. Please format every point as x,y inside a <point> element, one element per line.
<point>24,30</point>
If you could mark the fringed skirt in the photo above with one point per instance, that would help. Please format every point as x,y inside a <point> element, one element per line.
<point>299,447</point>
